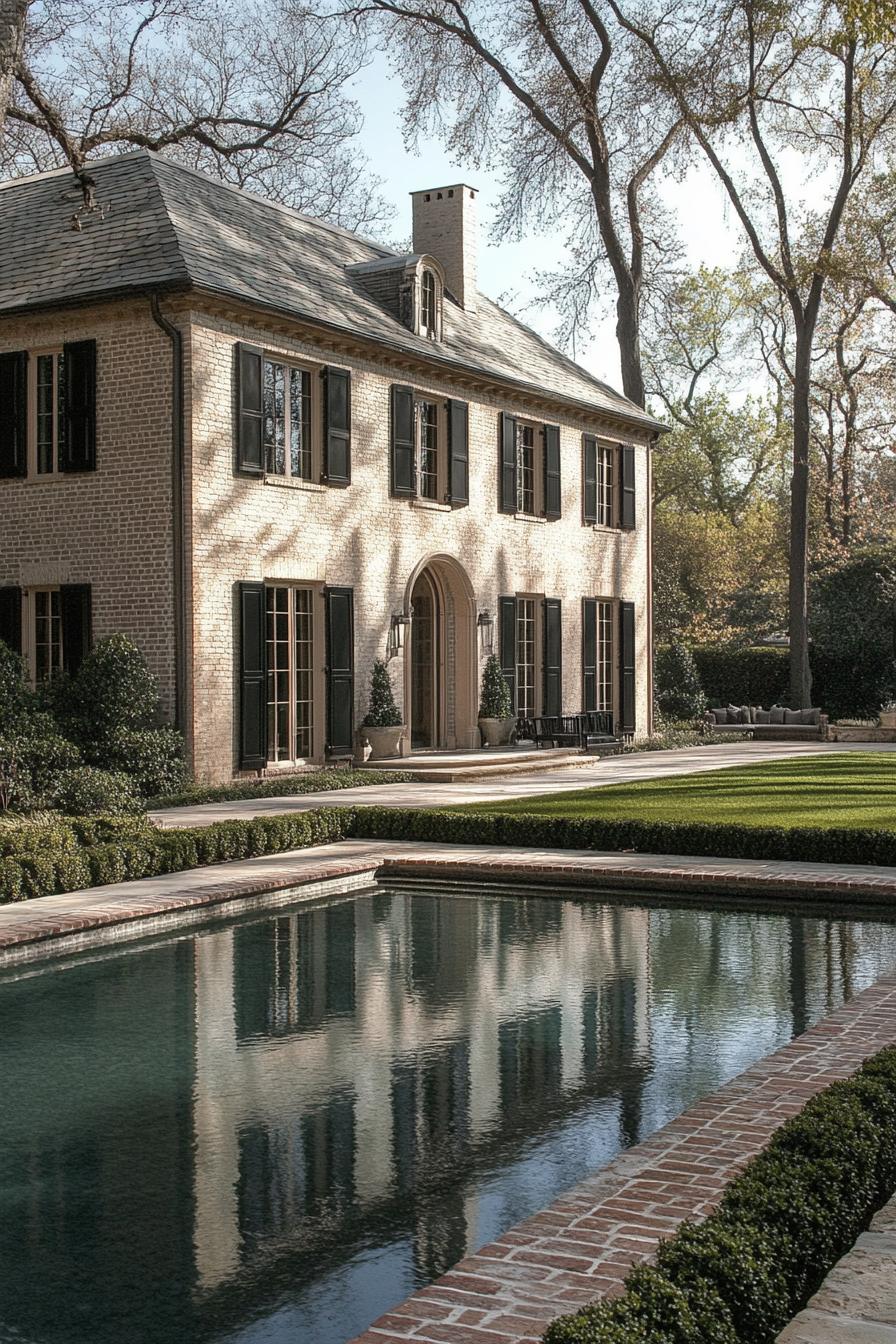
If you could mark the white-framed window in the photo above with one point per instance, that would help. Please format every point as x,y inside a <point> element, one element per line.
<point>42,633</point>
<point>46,411</point>
<point>605,485</point>
<point>428,449</point>
<point>292,697</point>
<point>604,688</point>
<point>527,701</point>
<point>287,420</point>
<point>526,474</point>
<point>429,304</point>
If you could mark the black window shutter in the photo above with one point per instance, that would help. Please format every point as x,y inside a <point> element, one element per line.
<point>13,413</point>
<point>458,453</point>
<point>75,620</point>
<point>403,467</point>
<point>250,407</point>
<point>589,478</point>
<point>507,642</point>
<point>552,471</point>
<point>78,447</point>
<point>553,657</point>
<point>337,426</point>
<point>508,463</point>
<point>627,666</point>
<point>589,653</point>
<point>253,737</point>
<point>340,670</point>
<point>11,618</point>
<point>627,486</point>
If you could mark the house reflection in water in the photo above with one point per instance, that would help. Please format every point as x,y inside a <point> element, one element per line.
<point>274,1129</point>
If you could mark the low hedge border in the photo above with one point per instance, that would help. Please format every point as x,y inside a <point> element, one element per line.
<point>48,859</point>
<point>67,854</point>
<point>803,844</point>
<point>743,1273</point>
<point>281,786</point>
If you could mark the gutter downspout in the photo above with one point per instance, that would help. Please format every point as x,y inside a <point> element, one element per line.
<point>177,504</point>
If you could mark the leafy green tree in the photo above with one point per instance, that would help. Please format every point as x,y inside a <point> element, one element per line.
<point>854,631</point>
<point>679,694</point>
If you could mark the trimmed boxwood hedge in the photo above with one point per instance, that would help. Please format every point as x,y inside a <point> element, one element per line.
<point>723,840</point>
<point>71,853</point>
<point>795,1209</point>
<point>66,854</point>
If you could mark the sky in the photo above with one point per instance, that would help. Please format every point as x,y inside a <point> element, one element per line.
<point>507,270</point>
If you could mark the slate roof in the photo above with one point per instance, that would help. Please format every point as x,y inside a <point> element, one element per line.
<point>170,227</point>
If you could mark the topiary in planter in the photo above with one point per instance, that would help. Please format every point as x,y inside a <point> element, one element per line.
<point>494,701</point>
<point>382,711</point>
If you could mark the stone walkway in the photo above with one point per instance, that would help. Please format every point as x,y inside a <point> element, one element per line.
<point>582,1246</point>
<point>56,925</point>
<point>610,770</point>
<point>856,1304</point>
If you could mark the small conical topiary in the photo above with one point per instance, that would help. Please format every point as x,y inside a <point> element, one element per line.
<point>382,711</point>
<point>495,701</point>
<point>679,694</point>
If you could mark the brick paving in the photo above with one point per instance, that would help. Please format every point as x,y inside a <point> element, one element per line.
<point>582,1246</point>
<point>60,924</point>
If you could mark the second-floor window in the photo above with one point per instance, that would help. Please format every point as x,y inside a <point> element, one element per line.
<point>605,485</point>
<point>48,401</point>
<point>428,447</point>
<point>286,420</point>
<point>525,469</point>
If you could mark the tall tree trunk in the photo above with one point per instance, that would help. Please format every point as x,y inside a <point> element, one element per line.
<point>628,334</point>
<point>800,675</point>
<point>12,36</point>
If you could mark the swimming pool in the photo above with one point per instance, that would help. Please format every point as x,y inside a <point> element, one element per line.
<point>274,1129</point>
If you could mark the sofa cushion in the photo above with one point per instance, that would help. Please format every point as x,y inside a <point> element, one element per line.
<point>811,716</point>
<point>776,714</point>
<point>738,714</point>
<point>761,715</point>
<point>793,716</point>
<point>719,715</point>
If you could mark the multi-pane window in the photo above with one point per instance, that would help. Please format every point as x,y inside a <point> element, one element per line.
<point>525,657</point>
<point>46,634</point>
<point>49,408</point>
<point>287,420</point>
<point>605,485</point>
<point>525,469</point>
<point>429,315</point>
<point>604,655</point>
<point>290,650</point>
<point>428,430</point>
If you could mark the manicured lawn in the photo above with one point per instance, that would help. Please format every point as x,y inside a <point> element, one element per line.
<point>838,790</point>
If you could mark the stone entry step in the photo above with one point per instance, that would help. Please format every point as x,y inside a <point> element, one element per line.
<point>450,767</point>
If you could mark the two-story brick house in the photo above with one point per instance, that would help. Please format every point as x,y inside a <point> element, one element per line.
<point>272,451</point>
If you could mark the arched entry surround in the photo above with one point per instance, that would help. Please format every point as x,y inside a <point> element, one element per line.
<point>456,646</point>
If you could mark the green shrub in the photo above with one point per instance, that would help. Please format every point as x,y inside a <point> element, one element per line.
<point>152,757</point>
<point>87,789</point>
<point>734,674</point>
<point>679,694</point>
<point>495,701</point>
<point>113,690</point>
<point>15,696</point>
<point>382,711</point>
<point>781,1226</point>
<point>282,786</point>
<point>722,839</point>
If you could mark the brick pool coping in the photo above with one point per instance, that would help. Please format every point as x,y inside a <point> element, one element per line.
<point>75,921</point>
<point>581,1246</point>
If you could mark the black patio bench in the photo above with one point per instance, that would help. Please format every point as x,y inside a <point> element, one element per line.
<point>590,730</point>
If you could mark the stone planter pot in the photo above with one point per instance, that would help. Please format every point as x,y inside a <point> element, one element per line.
<point>496,732</point>
<point>384,741</point>
<point>888,718</point>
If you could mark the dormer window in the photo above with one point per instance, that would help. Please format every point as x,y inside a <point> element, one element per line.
<point>429,305</point>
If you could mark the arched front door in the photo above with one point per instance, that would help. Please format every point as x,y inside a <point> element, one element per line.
<point>441,657</point>
<point>427,665</point>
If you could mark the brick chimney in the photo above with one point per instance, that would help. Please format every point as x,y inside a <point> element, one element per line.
<point>445,227</point>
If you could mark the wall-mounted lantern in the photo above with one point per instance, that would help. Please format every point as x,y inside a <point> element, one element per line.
<point>485,622</point>
<point>398,627</point>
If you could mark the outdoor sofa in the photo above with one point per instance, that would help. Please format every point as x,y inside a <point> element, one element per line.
<point>777,724</point>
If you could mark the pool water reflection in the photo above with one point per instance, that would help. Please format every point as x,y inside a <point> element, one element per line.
<point>275,1129</point>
